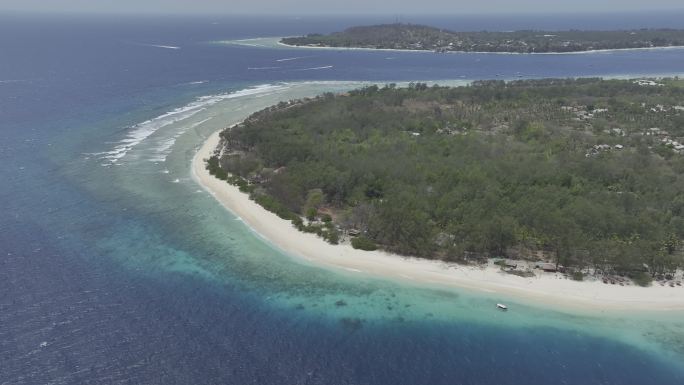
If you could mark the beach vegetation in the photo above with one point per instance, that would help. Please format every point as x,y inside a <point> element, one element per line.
<point>212,165</point>
<point>577,275</point>
<point>311,213</point>
<point>363,243</point>
<point>332,235</point>
<point>273,206</point>
<point>641,278</point>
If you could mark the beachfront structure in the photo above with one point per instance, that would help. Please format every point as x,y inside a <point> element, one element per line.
<point>547,266</point>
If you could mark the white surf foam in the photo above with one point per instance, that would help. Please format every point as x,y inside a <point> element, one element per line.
<point>142,131</point>
<point>161,152</point>
<point>251,44</point>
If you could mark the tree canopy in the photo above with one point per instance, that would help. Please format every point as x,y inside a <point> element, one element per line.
<point>582,172</point>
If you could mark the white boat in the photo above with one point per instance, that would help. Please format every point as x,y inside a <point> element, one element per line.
<point>502,306</point>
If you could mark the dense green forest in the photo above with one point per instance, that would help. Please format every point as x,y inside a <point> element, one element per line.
<point>585,173</point>
<point>420,37</point>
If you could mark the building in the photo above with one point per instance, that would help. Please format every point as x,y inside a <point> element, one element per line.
<point>546,266</point>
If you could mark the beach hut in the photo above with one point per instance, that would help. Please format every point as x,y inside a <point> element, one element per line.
<point>547,267</point>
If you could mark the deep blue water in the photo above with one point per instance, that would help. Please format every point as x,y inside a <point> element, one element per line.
<point>74,309</point>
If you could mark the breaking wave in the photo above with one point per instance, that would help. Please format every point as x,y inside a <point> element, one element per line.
<point>164,148</point>
<point>141,131</point>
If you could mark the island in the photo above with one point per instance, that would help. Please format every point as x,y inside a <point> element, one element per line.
<point>400,36</point>
<point>579,176</point>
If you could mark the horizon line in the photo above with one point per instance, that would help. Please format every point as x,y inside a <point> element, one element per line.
<point>333,14</point>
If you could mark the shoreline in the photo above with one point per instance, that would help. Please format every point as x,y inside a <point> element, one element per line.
<point>280,43</point>
<point>548,289</point>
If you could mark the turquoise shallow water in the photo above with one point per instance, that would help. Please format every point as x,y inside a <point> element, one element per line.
<point>117,268</point>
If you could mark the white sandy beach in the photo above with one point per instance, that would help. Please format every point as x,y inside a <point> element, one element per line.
<point>549,289</point>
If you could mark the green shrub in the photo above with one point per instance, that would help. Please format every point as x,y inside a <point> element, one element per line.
<point>215,169</point>
<point>641,279</point>
<point>363,243</point>
<point>245,188</point>
<point>577,276</point>
<point>332,236</point>
<point>314,229</point>
<point>311,213</point>
<point>297,223</point>
<point>273,206</point>
<point>221,174</point>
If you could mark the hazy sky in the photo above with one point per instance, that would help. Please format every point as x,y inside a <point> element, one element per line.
<point>339,6</point>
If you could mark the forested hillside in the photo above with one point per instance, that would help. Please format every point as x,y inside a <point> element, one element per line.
<point>585,173</point>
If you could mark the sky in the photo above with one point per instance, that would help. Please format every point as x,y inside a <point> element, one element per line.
<point>335,7</point>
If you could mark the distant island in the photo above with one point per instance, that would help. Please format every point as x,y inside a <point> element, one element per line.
<point>585,176</point>
<point>419,37</point>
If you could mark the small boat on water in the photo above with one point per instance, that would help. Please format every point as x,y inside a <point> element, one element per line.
<point>502,306</point>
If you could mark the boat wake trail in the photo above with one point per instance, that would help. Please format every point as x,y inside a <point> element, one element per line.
<point>314,68</point>
<point>159,46</point>
<point>292,58</point>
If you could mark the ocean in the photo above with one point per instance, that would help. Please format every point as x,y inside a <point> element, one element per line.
<point>116,267</point>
